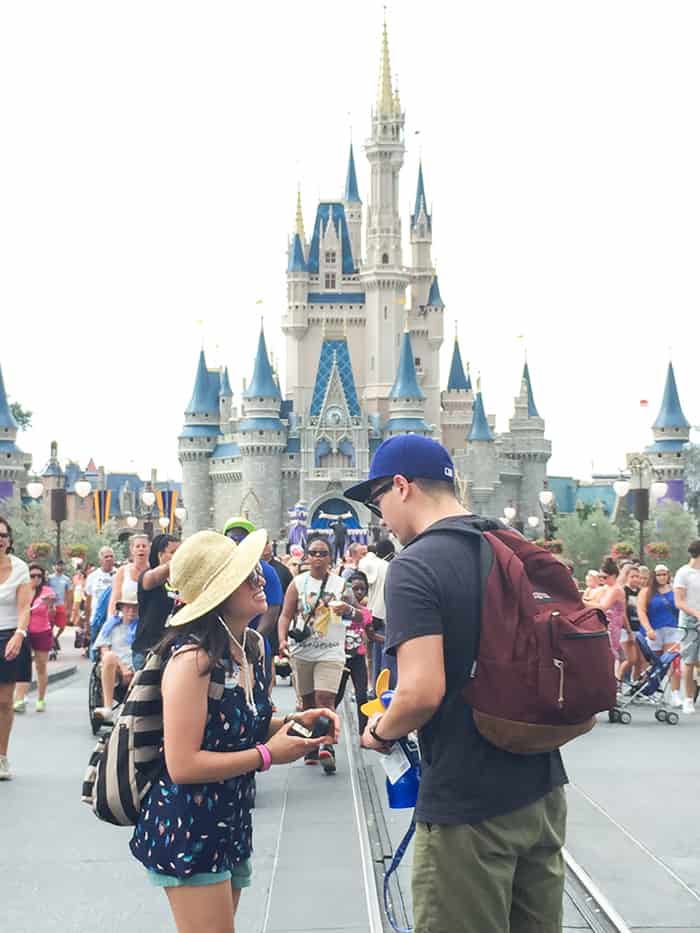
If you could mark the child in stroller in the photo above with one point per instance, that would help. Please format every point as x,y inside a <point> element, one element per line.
<point>652,687</point>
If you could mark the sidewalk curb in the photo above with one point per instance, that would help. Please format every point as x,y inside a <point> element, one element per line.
<point>55,676</point>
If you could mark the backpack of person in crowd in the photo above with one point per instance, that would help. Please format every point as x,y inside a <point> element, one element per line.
<point>543,666</point>
<point>125,763</point>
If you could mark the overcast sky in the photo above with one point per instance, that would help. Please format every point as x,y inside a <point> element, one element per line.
<point>148,171</point>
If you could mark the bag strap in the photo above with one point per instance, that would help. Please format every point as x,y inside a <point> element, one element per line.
<point>394,864</point>
<point>310,614</point>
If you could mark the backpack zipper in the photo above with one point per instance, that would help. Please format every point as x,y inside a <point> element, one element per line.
<point>560,667</point>
<point>585,635</point>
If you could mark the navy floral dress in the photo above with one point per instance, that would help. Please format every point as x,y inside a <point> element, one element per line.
<point>188,829</point>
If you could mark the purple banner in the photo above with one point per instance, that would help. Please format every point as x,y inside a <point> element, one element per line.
<point>675,492</point>
<point>5,489</point>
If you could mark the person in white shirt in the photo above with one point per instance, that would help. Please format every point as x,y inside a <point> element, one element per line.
<point>95,585</point>
<point>15,655</point>
<point>686,590</point>
<point>375,565</point>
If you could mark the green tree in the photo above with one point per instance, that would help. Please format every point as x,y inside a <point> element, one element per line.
<point>586,542</point>
<point>29,526</point>
<point>692,481</point>
<point>671,523</point>
<point>86,534</point>
<point>22,416</point>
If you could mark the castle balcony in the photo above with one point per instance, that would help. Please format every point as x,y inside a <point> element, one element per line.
<point>333,474</point>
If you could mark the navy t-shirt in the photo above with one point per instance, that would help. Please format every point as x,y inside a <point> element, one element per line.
<point>433,588</point>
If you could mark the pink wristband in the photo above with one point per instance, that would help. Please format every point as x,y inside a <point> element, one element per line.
<point>266,757</point>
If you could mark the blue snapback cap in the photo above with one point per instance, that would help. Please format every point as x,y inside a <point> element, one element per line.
<point>411,455</point>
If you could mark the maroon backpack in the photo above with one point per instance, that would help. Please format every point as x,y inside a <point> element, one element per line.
<point>543,665</point>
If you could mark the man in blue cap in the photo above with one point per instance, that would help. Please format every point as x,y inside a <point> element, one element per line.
<point>490,824</point>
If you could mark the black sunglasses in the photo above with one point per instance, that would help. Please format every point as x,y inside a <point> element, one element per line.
<point>371,501</point>
<point>4,534</point>
<point>255,575</point>
<point>319,553</point>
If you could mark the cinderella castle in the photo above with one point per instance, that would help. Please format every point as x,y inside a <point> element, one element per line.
<point>363,335</point>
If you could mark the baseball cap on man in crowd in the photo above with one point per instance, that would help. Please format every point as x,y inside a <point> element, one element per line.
<point>411,455</point>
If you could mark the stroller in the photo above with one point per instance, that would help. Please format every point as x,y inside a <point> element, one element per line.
<point>651,689</point>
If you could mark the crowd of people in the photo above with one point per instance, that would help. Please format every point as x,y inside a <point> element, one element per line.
<point>225,615</point>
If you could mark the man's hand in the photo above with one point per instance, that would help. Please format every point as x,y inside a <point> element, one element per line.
<point>283,649</point>
<point>369,741</point>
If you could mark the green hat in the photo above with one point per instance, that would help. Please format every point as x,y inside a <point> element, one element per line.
<point>239,522</point>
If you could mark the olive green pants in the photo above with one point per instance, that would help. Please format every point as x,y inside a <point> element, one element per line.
<point>504,875</point>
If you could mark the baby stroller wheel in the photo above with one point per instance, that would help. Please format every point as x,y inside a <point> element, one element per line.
<point>660,715</point>
<point>613,715</point>
<point>625,717</point>
<point>672,719</point>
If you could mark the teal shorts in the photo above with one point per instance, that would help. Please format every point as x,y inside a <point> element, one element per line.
<point>240,876</point>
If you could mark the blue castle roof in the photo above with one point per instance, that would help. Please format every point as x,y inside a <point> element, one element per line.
<point>263,384</point>
<point>224,384</point>
<point>323,212</point>
<point>480,430</point>
<point>434,297</point>
<point>227,450</point>
<point>421,200</point>
<point>335,351</point>
<point>406,384</point>
<point>296,263</point>
<point>205,395</point>
<point>531,407</point>
<point>6,418</point>
<point>351,193</point>
<point>457,381</point>
<point>671,414</point>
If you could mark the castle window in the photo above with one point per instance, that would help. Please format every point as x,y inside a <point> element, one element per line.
<point>385,312</point>
<point>385,259</point>
<point>417,362</point>
<point>330,280</point>
<point>330,256</point>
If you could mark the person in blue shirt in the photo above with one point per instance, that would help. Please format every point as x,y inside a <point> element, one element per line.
<point>237,529</point>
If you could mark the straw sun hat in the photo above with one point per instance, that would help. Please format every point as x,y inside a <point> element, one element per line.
<point>208,567</point>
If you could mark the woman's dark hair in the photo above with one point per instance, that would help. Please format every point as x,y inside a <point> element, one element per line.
<point>158,545</point>
<point>212,638</point>
<point>361,576</point>
<point>8,526</point>
<point>609,567</point>
<point>34,566</point>
<point>653,584</point>
<point>320,538</point>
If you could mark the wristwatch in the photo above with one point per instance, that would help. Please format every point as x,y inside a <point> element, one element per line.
<point>378,738</point>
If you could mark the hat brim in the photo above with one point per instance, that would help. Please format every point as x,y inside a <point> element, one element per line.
<point>126,602</point>
<point>230,577</point>
<point>361,492</point>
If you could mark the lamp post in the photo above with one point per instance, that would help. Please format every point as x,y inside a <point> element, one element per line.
<point>180,515</point>
<point>132,521</point>
<point>148,498</point>
<point>548,506</point>
<point>644,479</point>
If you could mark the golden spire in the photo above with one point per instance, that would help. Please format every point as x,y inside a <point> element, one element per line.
<point>397,99</point>
<point>385,96</point>
<point>478,383</point>
<point>300,218</point>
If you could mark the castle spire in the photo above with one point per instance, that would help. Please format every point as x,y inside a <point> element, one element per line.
<point>671,414</point>
<point>224,384</point>
<point>480,430</point>
<point>351,193</point>
<point>203,399</point>
<point>406,384</point>
<point>263,384</point>
<point>531,407</point>
<point>7,420</point>
<point>385,95</point>
<point>421,201</point>
<point>299,225</point>
<point>434,297</point>
<point>457,381</point>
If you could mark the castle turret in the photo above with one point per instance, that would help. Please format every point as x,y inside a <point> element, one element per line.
<point>481,458</point>
<point>456,402</point>
<point>671,430</point>
<point>353,209</point>
<point>383,276</point>
<point>295,322</point>
<point>225,398</point>
<point>196,444</point>
<point>526,443</point>
<point>12,459</point>
<point>421,244</point>
<point>262,439</point>
<point>406,399</point>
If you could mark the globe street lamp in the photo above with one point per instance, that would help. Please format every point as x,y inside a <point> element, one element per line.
<point>510,513</point>
<point>148,499</point>
<point>132,521</point>
<point>164,521</point>
<point>644,481</point>
<point>83,488</point>
<point>180,515</point>
<point>35,489</point>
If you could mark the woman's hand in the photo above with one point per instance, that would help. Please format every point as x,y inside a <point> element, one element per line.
<point>283,649</point>
<point>284,748</point>
<point>308,718</point>
<point>14,646</point>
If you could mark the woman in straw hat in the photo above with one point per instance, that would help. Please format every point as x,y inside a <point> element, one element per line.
<point>194,833</point>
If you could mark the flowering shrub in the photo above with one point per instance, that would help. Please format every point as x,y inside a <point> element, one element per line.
<point>621,550</point>
<point>77,550</point>
<point>38,550</point>
<point>660,550</point>
<point>555,546</point>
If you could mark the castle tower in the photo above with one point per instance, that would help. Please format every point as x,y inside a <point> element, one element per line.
<point>382,274</point>
<point>196,444</point>
<point>526,443</point>
<point>671,435</point>
<point>12,460</point>
<point>295,322</point>
<point>457,402</point>
<point>406,399</point>
<point>353,208</point>
<point>421,244</point>
<point>481,469</point>
<point>262,439</point>
<point>225,397</point>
